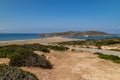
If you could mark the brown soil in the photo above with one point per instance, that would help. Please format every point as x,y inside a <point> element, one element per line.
<point>77,66</point>
<point>4,61</point>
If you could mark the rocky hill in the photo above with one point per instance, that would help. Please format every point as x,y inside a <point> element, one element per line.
<point>75,33</point>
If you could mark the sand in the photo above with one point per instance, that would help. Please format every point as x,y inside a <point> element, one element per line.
<point>76,65</point>
<point>39,41</point>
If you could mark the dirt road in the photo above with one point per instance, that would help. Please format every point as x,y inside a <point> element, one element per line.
<point>116,53</point>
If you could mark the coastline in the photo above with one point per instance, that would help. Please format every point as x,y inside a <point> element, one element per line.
<point>39,41</point>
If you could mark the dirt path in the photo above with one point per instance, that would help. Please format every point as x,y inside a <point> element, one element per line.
<point>116,53</point>
<point>77,66</point>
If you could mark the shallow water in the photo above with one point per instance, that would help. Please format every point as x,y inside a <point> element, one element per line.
<point>94,37</point>
<point>26,36</point>
<point>18,36</point>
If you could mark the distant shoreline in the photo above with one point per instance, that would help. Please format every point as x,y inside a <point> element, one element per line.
<point>39,41</point>
<point>75,33</point>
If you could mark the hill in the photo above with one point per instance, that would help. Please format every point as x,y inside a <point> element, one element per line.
<point>75,33</point>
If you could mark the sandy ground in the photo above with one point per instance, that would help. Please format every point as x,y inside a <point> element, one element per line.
<point>77,66</point>
<point>39,41</point>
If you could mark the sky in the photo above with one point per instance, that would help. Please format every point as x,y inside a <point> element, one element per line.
<point>41,16</point>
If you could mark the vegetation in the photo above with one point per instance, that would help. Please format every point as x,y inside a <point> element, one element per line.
<point>22,55</point>
<point>32,59</point>
<point>99,43</point>
<point>58,48</point>
<point>113,58</point>
<point>72,43</point>
<point>115,50</point>
<point>35,47</point>
<point>74,33</point>
<point>13,73</point>
<point>107,42</point>
<point>7,51</point>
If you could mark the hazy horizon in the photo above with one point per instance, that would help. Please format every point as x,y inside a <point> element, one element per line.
<point>44,16</point>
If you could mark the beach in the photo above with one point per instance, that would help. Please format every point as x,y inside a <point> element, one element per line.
<point>39,41</point>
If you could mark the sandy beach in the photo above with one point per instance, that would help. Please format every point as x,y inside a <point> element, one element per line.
<point>39,41</point>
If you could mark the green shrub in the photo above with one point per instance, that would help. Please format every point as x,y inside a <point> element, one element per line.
<point>13,73</point>
<point>98,43</point>
<point>36,47</point>
<point>22,55</point>
<point>113,58</point>
<point>30,60</point>
<point>72,43</point>
<point>7,51</point>
<point>58,48</point>
<point>115,50</point>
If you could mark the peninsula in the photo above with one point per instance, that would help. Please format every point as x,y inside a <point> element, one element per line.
<point>75,33</point>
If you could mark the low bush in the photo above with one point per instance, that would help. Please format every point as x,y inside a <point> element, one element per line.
<point>97,43</point>
<point>115,50</point>
<point>72,43</point>
<point>58,48</point>
<point>36,47</point>
<point>7,51</point>
<point>22,55</point>
<point>34,60</point>
<point>13,73</point>
<point>113,58</point>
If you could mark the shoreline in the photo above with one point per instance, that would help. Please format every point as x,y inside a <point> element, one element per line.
<point>39,41</point>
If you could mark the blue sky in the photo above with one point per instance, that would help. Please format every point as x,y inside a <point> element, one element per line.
<point>37,16</point>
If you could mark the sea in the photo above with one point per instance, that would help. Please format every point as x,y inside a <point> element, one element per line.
<point>19,36</point>
<point>27,36</point>
<point>95,37</point>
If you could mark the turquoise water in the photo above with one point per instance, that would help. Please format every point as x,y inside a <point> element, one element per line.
<point>19,36</point>
<point>9,37</point>
<point>95,37</point>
